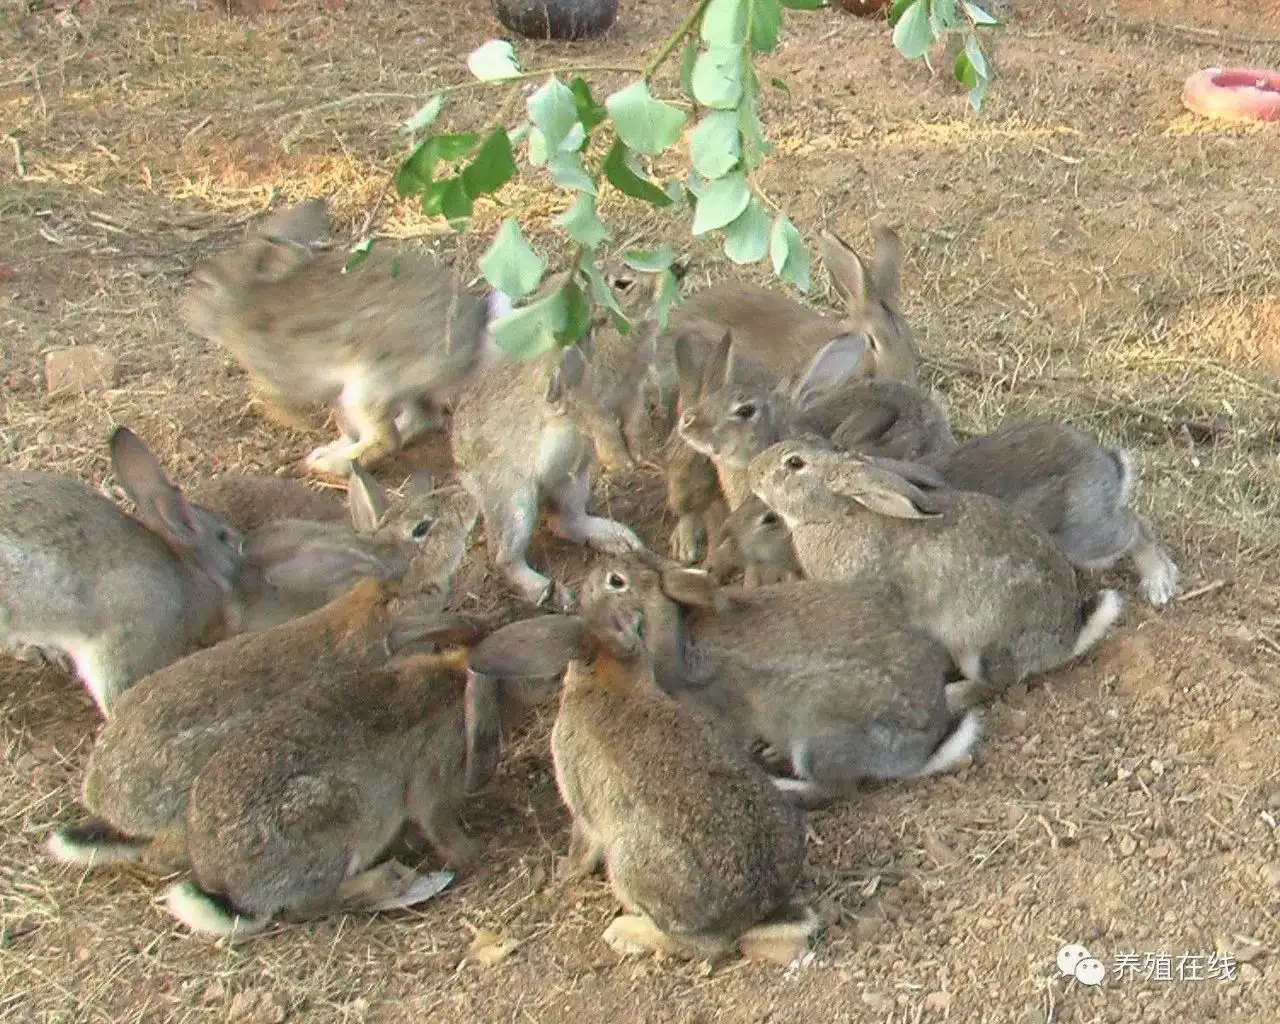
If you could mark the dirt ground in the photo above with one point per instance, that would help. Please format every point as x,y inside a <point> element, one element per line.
<point>1086,249</point>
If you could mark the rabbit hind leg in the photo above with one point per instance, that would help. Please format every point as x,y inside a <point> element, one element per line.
<point>368,426</point>
<point>571,521</point>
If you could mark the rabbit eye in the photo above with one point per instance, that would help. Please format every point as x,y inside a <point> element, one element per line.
<point>795,462</point>
<point>769,519</point>
<point>744,411</point>
<point>420,529</point>
<point>616,581</point>
<point>623,284</point>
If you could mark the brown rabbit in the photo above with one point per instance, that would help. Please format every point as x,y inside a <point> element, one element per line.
<point>775,338</point>
<point>701,850</point>
<point>758,544</point>
<point>384,343</point>
<point>893,419</point>
<point>246,501</point>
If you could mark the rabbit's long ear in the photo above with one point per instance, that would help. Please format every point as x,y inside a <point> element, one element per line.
<point>693,587</point>
<point>868,423</point>
<point>836,362</point>
<point>482,716</point>
<point>161,505</point>
<point>718,371</point>
<point>566,375</point>
<point>304,223</point>
<point>367,500</point>
<point>883,492</point>
<point>848,273</point>
<point>298,555</point>
<point>913,472</point>
<point>529,649</point>
<point>888,265</point>
<point>688,372</point>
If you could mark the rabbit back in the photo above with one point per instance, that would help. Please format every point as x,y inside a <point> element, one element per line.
<point>247,501</point>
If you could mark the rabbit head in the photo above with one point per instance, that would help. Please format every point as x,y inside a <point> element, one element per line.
<point>279,246</point>
<point>871,298</point>
<point>737,415</point>
<point>809,481</point>
<point>758,543</point>
<point>895,419</point>
<point>193,534</point>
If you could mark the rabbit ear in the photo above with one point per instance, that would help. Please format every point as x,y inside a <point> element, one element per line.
<point>161,505</point>
<point>694,587</point>
<point>482,716</point>
<point>718,371</point>
<point>883,492</point>
<point>688,372</point>
<point>530,648</point>
<point>367,499</point>
<point>868,424</point>
<point>304,223</point>
<point>913,472</point>
<point>567,375</point>
<point>837,361</point>
<point>848,273</point>
<point>420,483</point>
<point>297,555</point>
<point>888,264</point>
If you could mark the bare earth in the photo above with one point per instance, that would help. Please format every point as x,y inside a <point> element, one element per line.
<point>1086,249</point>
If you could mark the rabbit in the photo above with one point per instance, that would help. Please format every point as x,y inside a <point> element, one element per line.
<point>246,501</point>
<point>991,585</point>
<point>121,596</point>
<point>1076,488</point>
<point>524,435</point>
<point>293,810</point>
<point>775,338</point>
<point>167,727</point>
<point>757,543</point>
<point>290,567</point>
<point>894,420</point>
<point>701,850</point>
<point>384,343</point>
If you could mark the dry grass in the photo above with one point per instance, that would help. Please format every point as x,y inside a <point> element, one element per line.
<point>1087,250</point>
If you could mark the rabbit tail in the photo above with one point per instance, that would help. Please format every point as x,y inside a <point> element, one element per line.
<point>1097,615</point>
<point>93,845</point>
<point>783,937</point>
<point>954,746</point>
<point>210,913</point>
<point>1124,473</point>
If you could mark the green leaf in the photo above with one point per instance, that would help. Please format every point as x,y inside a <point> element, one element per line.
<point>577,314</point>
<point>781,85</point>
<point>582,223</point>
<point>433,197</point>
<point>554,110</point>
<point>621,173</point>
<point>643,123</point>
<point>715,145</point>
<point>493,61</point>
<point>896,9</point>
<point>416,172</point>
<point>747,238</point>
<point>526,332</point>
<point>766,22</point>
<point>724,22</point>
<point>978,16</point>
<point>455,147</point>
<point>676,191</point>
<point>717,77</point>
<point>510,264</point>
<point>456,203</point>
<point>913,35</point>
<point>686,65</point>
<point>599,286</point>
<point>359,253</point>
<point>790,257</point>
<point>973,49</point>
<point>755,146</point>
<point>427,113</point>
<point>567,172</point>
<point>537,149</point>
<point>649,261</point>
<point>943,14</point>
<point>804,5</point>
<point>720,202</point>
<point>964,70</point>
<point>493,166</point>
<point>668,296</point>
<point>590,113</point>
<point>977,78</point>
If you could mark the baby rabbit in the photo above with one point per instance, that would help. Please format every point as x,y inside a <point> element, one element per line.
<point>1073,487</point>
<point>525,433</point>
<point>989,584</point>
<point>121,596</point>
<point>756,543</point>
<point>894,420</point>
<point>167,727</point>
<point>383,343</point>
<point>703,853</point>
<point>773,340</point>
<point>245,501</point>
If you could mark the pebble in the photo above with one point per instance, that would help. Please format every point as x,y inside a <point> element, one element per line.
<point>79,369</point>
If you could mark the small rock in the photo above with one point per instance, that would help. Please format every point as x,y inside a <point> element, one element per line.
<point>939,852</point>
<point>1249,974</point>
<point>1128,846</point>
<point>938,1002</point>
<point>876,1000</point>
<point>79,369</point>
<point>866,929</point>
<point>1273,801</point>
<point>214,992</point>
<point>1249,953</point>
<point>257,1006</point>
<point>1270,874</point>
<point>489,948</point>
<point>1240,208</point>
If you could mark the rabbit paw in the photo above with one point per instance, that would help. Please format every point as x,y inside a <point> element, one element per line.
<point>333,459</point>
<point>689,540</point>
<point>1160,581</point>
<point>632,935</point>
